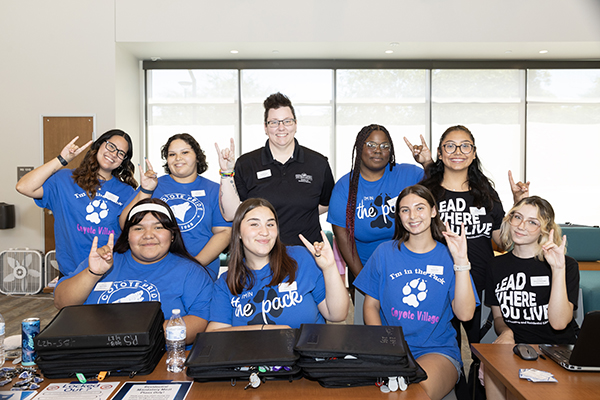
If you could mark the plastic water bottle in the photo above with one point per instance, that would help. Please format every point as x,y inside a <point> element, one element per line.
<point>176,334</point>
<point>2,328</point>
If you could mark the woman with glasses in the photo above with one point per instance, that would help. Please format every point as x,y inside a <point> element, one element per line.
<point>362,202</point>
<point>533,289</point>
<point>193,198</point>
<point>296,180</point>
<point>85,201</point>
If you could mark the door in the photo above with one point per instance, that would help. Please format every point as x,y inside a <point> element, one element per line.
<point>57,132</point>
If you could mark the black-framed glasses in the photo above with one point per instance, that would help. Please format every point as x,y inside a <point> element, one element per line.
<point>274,123</point>
<point>110,146</point>
<point>385,146</point>
<point>465,148</point>
<point>531,225</point>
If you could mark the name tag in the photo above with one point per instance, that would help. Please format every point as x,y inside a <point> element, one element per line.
<point>540,281</point>
<point>112,197</point>
<point>477,211</point>
<point>102,286</point>
<point>263,174</point>
<point>288,287</point>
<point>435,269</point>
<point>198,193</point>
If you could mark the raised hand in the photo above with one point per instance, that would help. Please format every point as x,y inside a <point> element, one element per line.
<point>554,254</point>
<point>457,244</point>
<point>421,152</point>
<point>321,251</point>
<point>148,179</point>
<point>519,190</point>
<point>71,150</point>
<point>101,259</point>
<point>226,157</point>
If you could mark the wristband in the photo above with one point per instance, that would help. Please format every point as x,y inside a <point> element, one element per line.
<point>146,191</point>
<point>226,174</point>
<point>462,267</point>
<point>93,273</point>
<point>62,160</point>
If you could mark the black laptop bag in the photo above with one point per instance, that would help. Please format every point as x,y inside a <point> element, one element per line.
<point>355,355</point>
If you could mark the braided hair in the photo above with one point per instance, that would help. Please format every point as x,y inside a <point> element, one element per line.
<point>359,145</point>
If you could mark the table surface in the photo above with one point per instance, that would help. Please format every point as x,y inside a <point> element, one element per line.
<point>270,390</point>
<point>500,360</point>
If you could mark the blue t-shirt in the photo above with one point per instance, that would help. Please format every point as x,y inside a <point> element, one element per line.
<point>415,291</point>
<point>196,208</point>
<point>287,304</point>
<point>375,206</point>
<point>174,281</point>
<point>77,219</point>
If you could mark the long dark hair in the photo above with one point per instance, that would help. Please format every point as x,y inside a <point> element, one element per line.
<point>201,164</point>
<point>480,186</point>
<point>437,227</point>
<point>169,223</point>
<point>86,175</point>
<point>239,276</point>
<point>359,146</point>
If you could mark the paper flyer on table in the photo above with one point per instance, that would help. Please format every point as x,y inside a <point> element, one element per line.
<point>79,391</point>
<point>17,395</point>
<point>154,390</point>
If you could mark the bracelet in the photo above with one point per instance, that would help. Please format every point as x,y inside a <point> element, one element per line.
<point>62,160</point>
<point>462,267</point>
<point>226,174</point>
<point>146,191</point>
<point>93,273</point>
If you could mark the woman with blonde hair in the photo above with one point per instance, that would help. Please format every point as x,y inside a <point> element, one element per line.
<point>532,289</point>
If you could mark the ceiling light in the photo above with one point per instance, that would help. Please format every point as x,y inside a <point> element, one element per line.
<point>234,51</point>
<point>275,51</point>
<point>155,58</point>
<point>508,52</point>
<point>389,51</point>
<point>394,44</point>
<point>543,51</point>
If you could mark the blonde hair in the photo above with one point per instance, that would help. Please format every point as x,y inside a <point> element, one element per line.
<point>545,214</point>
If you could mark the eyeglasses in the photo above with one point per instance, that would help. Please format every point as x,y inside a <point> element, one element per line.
<point>531,225</point>
<point>465,148</point>
<point>274,123</point>
<point>113,148</point>
<point>385,146</point>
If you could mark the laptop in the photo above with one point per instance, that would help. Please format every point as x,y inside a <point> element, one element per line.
<point>584,355</point>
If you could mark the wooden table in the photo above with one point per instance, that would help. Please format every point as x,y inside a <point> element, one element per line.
<point>500,360</point>
<point>302,389</point>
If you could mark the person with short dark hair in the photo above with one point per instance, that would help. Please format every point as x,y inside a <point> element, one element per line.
<point>149,262</point>
<point>193,198</point>
<point>296,180</point>
<point>85,201</point>
<point>271,286</point>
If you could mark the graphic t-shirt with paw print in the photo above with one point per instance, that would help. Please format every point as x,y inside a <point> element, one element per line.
<point>290,304</point>
<point>415,291</point>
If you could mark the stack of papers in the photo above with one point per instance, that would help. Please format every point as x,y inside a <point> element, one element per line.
<point>535,375</point>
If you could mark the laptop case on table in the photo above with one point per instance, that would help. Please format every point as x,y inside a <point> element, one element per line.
<point>238,354</point>
<point>121,338</point>
<point>355,355</point>
<point>584,355</point>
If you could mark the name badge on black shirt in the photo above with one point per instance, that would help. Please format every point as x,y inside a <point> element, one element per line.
<point>263,174</point>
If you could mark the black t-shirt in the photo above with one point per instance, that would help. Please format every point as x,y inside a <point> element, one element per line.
<point>521,288</point>
<point>296,188</point>
<point>457,208</point>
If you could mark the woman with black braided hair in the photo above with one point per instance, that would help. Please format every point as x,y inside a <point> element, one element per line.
<point>361,208</point>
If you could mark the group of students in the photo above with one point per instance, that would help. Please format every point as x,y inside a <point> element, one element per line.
<point>417,241</point>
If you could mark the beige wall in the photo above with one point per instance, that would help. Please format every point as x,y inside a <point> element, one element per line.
<point>74,57</point>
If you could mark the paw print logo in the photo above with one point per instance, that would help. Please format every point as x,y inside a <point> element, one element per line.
<point>414,292</point>
<point>97,210</point>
